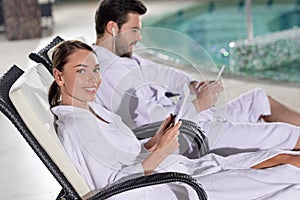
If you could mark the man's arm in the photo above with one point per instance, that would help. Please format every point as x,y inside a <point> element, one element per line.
<point>170,78</point>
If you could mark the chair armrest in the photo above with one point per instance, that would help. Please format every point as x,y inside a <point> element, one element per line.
<point>192,140</point>
<point>192,130</point>
<point>154,179</point>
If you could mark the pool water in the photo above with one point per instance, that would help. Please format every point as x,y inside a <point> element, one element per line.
<point>215,24</point>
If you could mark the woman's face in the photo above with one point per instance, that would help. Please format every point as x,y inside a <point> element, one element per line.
<point>80,78</point>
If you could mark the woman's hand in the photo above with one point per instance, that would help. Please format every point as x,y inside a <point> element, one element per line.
<point>207,94</point>
<point>168,142</point>
<point>165,125</point>
<point>152,143</point>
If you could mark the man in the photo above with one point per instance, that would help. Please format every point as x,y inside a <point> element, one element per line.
<point>136,88</point>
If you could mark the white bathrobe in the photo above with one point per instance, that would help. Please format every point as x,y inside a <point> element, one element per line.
<point>135,88</point>
<point>104,153</point>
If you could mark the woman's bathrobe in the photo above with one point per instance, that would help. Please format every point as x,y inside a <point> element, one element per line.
<point>104,153</point>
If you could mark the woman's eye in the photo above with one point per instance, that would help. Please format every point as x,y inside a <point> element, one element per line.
<point>97,70</point>
<point>80,71</point>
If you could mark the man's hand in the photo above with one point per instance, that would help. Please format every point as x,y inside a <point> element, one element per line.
<point>207,93</point>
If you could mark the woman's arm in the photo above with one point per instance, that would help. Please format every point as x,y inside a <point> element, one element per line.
<point>150,145</point>
<point>167,144</point>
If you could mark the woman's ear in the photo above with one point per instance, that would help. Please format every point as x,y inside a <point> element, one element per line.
<point>58,77</point>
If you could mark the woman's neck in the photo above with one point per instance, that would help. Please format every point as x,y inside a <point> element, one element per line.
<point>83,105</point>
<point>73,102</point>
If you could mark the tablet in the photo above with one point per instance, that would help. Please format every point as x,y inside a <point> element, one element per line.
<point>184,94</point>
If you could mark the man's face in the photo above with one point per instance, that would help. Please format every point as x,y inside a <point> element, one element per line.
<point>128,35</point>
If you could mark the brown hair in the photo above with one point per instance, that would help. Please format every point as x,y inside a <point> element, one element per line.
<point>117,11</point>
<point>60,57</point>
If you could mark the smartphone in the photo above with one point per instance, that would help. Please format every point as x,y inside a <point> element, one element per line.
<point>172,121</point>
<point>218,77</point>
<point>220,73</point>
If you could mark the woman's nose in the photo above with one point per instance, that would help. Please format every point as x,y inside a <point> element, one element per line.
<point>94,77</point>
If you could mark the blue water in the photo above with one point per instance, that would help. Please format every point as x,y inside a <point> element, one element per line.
<point>214,25</point>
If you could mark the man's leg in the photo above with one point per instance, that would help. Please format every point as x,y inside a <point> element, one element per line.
<point>281,113</point>
<point>297,147</point>
<point>255,105</point>
<point>242,137</point>
<point>279,159</point>
<point>240,127</point>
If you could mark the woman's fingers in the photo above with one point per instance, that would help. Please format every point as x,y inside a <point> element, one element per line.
<point>169,140</point>
<point>175,127</point>
<point>168,119</point>
<point>165,125</point>
<point>176,135</point>
<point>174,131</point>
<point>178,124</point>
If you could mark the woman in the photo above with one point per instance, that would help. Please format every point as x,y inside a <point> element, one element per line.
<point>105,150</point>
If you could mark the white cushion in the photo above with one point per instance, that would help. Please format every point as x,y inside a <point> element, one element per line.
<point>29,95</point>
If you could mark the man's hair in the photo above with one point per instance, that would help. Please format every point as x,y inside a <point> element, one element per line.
<point>117,11</point>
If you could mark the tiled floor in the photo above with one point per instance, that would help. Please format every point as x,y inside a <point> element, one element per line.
<point>22,175</point>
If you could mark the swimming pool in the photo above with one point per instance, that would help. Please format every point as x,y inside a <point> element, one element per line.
<point>218,24</point>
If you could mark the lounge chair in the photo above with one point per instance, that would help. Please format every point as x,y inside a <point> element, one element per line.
<point>23,99</point>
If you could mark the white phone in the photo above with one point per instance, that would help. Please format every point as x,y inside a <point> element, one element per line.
<point>220,73</point>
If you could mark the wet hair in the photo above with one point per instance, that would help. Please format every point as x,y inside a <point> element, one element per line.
<point>60,57</point>
<point>117,11</point>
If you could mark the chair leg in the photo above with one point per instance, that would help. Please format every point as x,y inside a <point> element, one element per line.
<point>63,195</point>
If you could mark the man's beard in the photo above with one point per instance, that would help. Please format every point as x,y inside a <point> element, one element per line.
<point>122,49</point>
<point>127,55</point>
